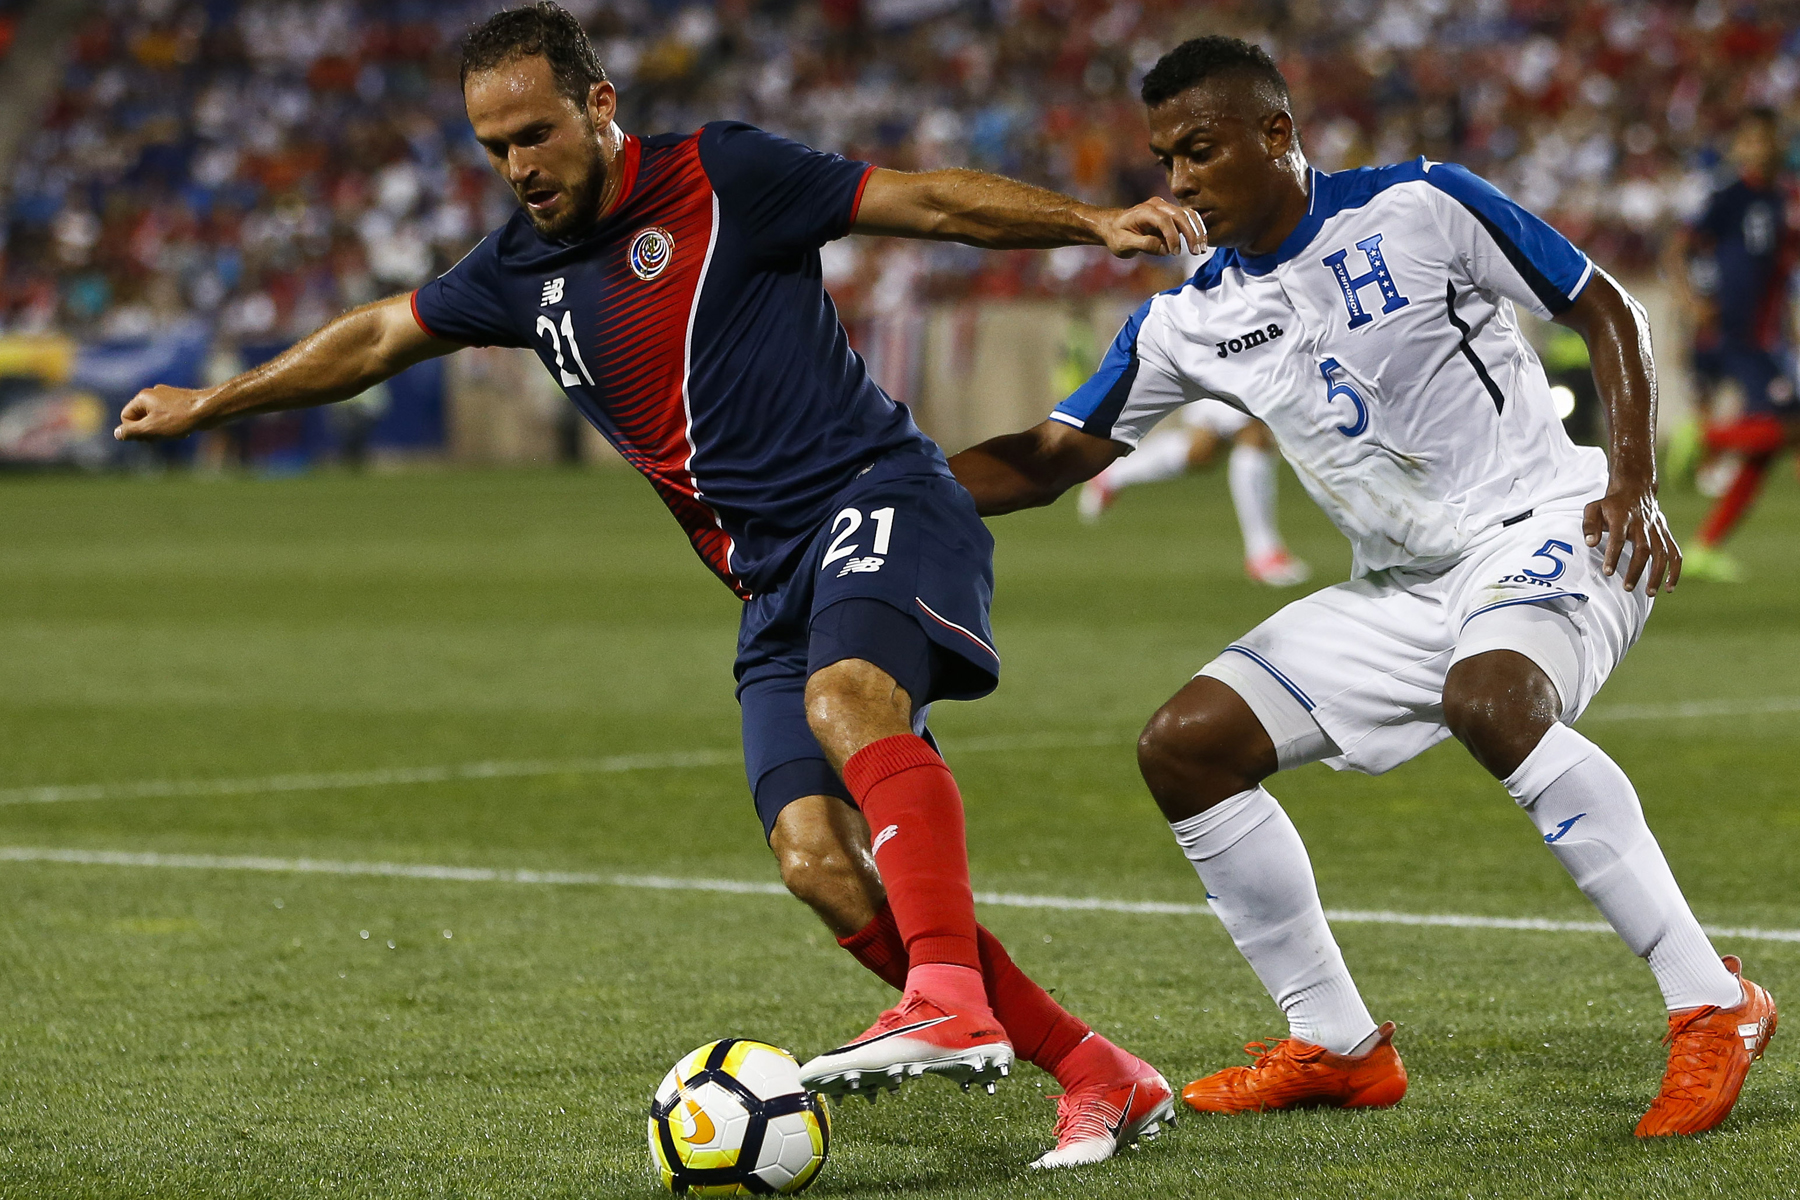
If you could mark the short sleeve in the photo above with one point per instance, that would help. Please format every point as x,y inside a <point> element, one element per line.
<point>465,303</point>
<point>1506,249</point>
<point>785,197</point>
<point>1134,387</point>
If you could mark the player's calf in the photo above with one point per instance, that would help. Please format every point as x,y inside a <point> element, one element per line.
<point>821,845</point>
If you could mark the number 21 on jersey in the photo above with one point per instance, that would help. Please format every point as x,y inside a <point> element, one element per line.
<point>569,378</point>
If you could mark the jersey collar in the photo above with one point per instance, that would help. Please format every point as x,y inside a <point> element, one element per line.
<point>1317,209</point>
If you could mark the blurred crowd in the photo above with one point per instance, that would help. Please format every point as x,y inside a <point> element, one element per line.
<point>262,165</point>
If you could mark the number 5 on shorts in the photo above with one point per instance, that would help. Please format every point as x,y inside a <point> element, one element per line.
<point>1557,565</point>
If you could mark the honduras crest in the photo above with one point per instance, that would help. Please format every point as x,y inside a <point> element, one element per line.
<point>651,250</point>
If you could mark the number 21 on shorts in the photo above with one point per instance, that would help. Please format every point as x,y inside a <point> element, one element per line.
<point>845,525</point>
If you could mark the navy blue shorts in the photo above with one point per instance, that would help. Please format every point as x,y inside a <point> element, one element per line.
<point>1760,375</point>
<point>902,577</point>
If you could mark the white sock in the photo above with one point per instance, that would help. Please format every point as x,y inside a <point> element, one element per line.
<point>1160,456</point>
<point>1252,474</point>
<point>1589,815</point>
<point>1260,882</point>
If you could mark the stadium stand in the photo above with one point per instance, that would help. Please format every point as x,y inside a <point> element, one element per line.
<point>257,167</point>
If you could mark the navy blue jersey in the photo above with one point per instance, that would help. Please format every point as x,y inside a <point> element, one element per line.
<point>1748,237</point>
<point>693,329</point>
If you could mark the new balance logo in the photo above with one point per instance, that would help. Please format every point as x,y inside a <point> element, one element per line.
<point>881,839</point>
<point>1256,337</point>
<point>1562,830</point>
<point>553,292</point>
<point>861,566</point>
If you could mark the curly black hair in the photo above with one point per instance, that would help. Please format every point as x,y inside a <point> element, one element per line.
<point>545,29</point>
<point>1193,62</point>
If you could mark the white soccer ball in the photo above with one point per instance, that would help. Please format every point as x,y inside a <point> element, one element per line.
<point>731,1119</point>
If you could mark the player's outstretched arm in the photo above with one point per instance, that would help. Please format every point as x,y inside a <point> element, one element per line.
<point>1617,332</point>
<point>996,213</point>
<point>1032,468</point>
<point>345,358</point>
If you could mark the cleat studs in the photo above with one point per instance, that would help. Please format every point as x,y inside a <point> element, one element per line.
<point>990,1088</point>
<point>1005,1070</point>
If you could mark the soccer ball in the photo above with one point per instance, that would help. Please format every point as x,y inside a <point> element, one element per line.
<point>731,1119</point>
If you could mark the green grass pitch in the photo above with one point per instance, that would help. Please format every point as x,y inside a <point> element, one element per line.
<point>224,1033</point>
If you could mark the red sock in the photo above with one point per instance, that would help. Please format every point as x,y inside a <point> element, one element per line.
<point>912,804</point>
<point>1735,502</point>
<point>1759,434</point>
<point>878,947</point>
<point>1039,1028</point>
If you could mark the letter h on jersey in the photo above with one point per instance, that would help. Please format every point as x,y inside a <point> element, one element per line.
<point>1377,275</point>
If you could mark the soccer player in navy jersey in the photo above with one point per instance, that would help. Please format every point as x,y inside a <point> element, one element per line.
<point>1741,258</point>
<point>672,286</point>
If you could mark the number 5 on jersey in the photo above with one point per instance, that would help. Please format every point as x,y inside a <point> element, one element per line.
<point>1343,391</point>
<point>844,526</point>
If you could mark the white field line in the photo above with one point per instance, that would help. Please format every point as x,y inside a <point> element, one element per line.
<point>156,789</point>
<point>1689,709</point>
<point>325,866</point>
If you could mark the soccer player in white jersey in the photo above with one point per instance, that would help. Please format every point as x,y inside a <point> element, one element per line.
<point>1501,572</point>
<point>1250,473</point>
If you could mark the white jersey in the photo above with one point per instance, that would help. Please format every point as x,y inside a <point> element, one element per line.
<point>1380,346</point>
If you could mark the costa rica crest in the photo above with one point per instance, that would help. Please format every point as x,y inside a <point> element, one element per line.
<point>651,250</point>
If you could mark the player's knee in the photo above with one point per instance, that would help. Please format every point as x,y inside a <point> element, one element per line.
<point>1194,754</point>
<point>851,703</point>
<point>1500,705</point>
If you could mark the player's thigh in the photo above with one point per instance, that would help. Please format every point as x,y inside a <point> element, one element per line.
<point>1352,675</point>
<point>1542,592</point>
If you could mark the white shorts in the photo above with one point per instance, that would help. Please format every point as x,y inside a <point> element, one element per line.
<point>1353,675</point>
<point>1215,415</point>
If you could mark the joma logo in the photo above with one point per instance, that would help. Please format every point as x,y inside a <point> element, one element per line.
<point>1255,337</point>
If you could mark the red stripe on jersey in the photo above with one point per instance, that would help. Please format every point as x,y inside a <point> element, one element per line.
<point>644,338</point>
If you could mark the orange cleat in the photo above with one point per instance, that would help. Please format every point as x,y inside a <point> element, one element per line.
<point>1295,1074</point>
<point>1710,1052</point>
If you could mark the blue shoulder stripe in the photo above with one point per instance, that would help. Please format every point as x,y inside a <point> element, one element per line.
<point>1096,404</point>
<point>1553,268</point>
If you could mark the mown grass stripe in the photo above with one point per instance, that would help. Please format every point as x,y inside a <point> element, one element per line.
<point>324,781</point>
<point>432,871</point>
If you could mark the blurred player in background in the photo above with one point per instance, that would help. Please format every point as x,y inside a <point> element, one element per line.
<point>1739,263</point>
<point>672,285</point>
<point>1497,565</point>
<point>1251,472</point>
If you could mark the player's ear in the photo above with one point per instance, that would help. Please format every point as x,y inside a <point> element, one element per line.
<point>602,104</point>
<point>1278,134</point>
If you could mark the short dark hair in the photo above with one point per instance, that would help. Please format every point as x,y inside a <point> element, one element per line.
<point>1199,59</point>
<point>545,30</point>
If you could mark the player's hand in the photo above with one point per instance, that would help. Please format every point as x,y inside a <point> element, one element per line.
<point>162,412</point>
<point>1156,226</point>
<point>1629,513</point>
